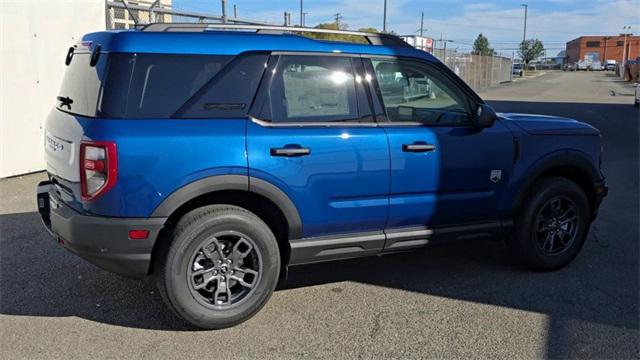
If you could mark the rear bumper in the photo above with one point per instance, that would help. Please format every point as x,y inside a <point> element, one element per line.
<point>103,241</point>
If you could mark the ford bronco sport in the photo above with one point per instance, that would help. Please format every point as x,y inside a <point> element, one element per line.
<point>213,160</point>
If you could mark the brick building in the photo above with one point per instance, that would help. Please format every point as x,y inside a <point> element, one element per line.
<point>602,48</point>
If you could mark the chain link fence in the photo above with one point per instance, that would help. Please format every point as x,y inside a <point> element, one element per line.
<point>478,71</point>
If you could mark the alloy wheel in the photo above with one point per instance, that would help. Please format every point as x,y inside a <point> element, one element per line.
<point>224,270</point>
<point>556,225</point>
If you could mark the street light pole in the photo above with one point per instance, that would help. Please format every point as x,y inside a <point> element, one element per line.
<point>524,36</point>
<point>301,13</point>
<point>422,24</point>
<point>384,20</point>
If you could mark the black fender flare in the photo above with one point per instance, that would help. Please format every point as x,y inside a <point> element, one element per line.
<point>555,160</point>
<point>233,182</point>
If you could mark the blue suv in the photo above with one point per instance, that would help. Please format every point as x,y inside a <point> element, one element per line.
<point>215,156</point>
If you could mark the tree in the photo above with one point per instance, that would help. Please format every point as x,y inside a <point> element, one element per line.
<point>339,37</point>
<point>369,30</point>
<point>481,46</point>
<point>530,50</point>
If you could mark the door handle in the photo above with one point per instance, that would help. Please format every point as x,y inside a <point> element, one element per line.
<point>290,151</point>
<point>418,147</point>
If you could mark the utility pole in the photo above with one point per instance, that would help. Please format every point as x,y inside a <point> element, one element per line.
<point>422,24</point>
<point>606,40</point>
<point>235,11</point>
<point>224,11</point>
<point>304,18</point>
<point>384,19</point>
<point>338,17</point>
<point>626,28</point>
<point>301,13</point>
<point>524,36</point>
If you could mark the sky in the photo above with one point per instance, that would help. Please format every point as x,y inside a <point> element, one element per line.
<point>553,21</point>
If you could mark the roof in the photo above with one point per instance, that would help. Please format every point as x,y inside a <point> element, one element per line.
<point>232,43</point>
<point>602,37</point>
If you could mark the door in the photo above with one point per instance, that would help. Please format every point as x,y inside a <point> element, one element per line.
<point>443,170</point>
<point>313,136</point>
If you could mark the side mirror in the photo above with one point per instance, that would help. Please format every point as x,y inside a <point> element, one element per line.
<point>485,116</point>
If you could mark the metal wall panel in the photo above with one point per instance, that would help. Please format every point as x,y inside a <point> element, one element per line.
<point>35,36</point>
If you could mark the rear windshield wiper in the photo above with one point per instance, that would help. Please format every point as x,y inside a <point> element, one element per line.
<point>65,101</point>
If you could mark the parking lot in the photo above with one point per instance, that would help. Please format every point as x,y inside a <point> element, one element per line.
<point>449,301</point>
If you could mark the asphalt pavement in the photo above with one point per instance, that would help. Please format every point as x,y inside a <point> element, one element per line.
<point>459,300</point>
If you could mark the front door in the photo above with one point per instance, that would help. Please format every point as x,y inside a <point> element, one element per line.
<point>313,136</point>
<point>444,171</point>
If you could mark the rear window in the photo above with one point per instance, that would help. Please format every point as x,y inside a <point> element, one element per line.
<point>81,86</point>
<point>157,86</point>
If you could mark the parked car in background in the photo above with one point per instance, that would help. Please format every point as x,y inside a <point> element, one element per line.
<point>214,159</point>
<point>570,67</point>
<point>518,70</point>
<point>596,66</point>
<point>583,65</point>
<point>610,65</point>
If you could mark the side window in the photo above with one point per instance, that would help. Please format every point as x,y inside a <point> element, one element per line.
<point>154,85</point>
<point>311,89</point>
<point>229,93</point>
<point>413,92</point>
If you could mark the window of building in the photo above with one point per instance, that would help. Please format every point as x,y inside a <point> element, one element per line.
<point>620,43</point>
<point>413,92</point>
<point>311,89</point>
<point>118,13</point>
<point>593,44</point>
<point>119,26</point>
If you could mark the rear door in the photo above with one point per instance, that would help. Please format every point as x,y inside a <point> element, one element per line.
<point>443,170</point>
<point>313,136</point>
<point>64,128</point>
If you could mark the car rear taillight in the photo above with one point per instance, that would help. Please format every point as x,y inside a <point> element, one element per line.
<point>98,168</point>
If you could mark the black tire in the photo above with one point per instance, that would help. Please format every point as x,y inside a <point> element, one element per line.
<point>200,236</point>
<point>532,225</point>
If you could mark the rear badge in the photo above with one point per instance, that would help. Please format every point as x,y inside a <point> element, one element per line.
<point>495,176</point>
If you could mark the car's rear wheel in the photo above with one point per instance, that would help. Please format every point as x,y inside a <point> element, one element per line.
<point>221,267</point>
<point>552,225</point>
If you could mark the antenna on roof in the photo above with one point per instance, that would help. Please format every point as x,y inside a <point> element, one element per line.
<point>126,6</point>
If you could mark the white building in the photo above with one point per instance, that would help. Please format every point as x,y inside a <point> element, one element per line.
<point>36,35</point>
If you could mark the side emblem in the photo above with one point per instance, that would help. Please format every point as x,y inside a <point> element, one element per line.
<point>495,175</point>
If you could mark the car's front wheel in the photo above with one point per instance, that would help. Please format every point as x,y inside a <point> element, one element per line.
<point>220,268</point>
<point>551,226</point>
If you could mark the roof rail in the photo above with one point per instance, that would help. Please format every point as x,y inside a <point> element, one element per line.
<point>372,38</point>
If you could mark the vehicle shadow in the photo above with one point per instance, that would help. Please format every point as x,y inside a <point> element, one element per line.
<point>600,288</point>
